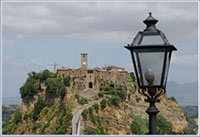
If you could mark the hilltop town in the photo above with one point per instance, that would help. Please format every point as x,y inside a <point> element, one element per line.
<point>89,101</point>
<point>85,78</point>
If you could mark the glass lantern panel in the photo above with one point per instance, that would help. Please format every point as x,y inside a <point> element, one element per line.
<point>152,40</point>
<point>137,39</point>
<point>167,68</point>
<point>151,67</point>
<point>137,69</point>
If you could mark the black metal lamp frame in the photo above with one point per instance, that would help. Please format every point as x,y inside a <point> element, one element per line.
<point>152,92</point>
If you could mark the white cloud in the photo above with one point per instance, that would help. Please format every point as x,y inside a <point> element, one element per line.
<point>8,42</point>
<point>99,21</point>
<point>189,61</point>
<point>37,62</point>
<point>14,73</point>
<point>19,67</point>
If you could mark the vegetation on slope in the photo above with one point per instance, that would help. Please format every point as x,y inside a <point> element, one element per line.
<point>96,128</point>
<point>140,126</point>
<point>53,84</point>
<point>42,111</point>
<point>81,100</point>
<point>56,120</point>
<point>117,93</point>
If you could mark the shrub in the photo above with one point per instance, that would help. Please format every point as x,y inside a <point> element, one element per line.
<point>100,94</point>
<point>54,85</point>
<point>121,92</point>
<point>27,115</point>
<point>91,109</point>
<point>77,96</point>
<point>139,125</point>
<point>44,127</point>
<point>64,119</point>
<point>84,114</point>
<point>108,88</point>
<point>132,76</point>
<point>99,120</point>
<point>34,126</point>
<point>91,131</point>
<point>103,104</point>
<point>52,75</point>
<point>163,125</point>
<point>96,107</point>
<point>17,117</point>
<point>81,100</point>
<point>172,99</point>
<point>39,105</point>
<point>111,85</point>
<point>44,75</point>
<point>51,85</point>
<point>66,81</point>
<point>93,119</point>
<point>101,88</point>
<point>44,111</point>
<point>115,100</point>
<point>129,80</point>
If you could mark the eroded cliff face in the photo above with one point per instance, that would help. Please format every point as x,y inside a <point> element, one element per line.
<point>118,119</point>
<point>56,116</point>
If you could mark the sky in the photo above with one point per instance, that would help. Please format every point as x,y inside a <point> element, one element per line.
<point>37,34</point>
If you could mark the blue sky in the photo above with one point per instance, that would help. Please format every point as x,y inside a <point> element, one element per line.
<point>38,34</point>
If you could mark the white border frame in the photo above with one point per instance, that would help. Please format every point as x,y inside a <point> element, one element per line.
<point>83,1</point>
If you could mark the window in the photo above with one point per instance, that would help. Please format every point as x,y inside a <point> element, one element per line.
<point>90,84</point>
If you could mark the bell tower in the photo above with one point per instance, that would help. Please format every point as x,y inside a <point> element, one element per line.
<point>84,61</point>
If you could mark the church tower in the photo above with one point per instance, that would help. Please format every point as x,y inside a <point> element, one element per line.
<point>84,61</point>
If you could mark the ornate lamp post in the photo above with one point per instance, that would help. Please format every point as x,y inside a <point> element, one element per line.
<point>151,54</point>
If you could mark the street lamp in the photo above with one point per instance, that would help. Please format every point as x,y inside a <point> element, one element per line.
<point>151,54</point>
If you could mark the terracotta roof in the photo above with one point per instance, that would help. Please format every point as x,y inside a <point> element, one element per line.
<point>64,68</point>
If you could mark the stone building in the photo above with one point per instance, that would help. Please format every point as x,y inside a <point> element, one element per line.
<point>86,78</point>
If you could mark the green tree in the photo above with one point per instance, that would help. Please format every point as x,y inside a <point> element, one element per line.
<point>96,107</point>
<point>103,104</point>
<point>54,85</point>
<point>121,92</point>
<point>100,94</point>
<point>115,100</point>
<point>39,105</point>
<point>32,84</point>
<point>163,125</point>
<point>139,125</point>
<point>84,114</point>
<point>17,117</point>
<point>66,81</point>
<point>132,76</point>
<point>173,99</point>
<point>29,89</point>
<point>45,75</point>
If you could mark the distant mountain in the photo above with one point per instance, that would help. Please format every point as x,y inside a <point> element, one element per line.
<point>7,111</point>
<point>192,111</point>
<point>12,100</point>
<point>185,94</point>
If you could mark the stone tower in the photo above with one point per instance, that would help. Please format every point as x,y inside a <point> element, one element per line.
<point>84,61</point>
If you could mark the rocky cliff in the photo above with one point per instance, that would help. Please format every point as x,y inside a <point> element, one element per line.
<point>47,112</point>
<point>118,119</point>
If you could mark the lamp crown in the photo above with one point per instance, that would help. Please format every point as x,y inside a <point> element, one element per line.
<point>150,22</point>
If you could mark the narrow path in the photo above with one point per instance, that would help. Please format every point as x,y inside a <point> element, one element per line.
<point>76,122</point>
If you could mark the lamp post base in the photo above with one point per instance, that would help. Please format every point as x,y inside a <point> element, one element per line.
<point>152,111</point>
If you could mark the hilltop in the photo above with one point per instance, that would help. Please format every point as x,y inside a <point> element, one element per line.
<point>50,103</point>
<point>90,101</point>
